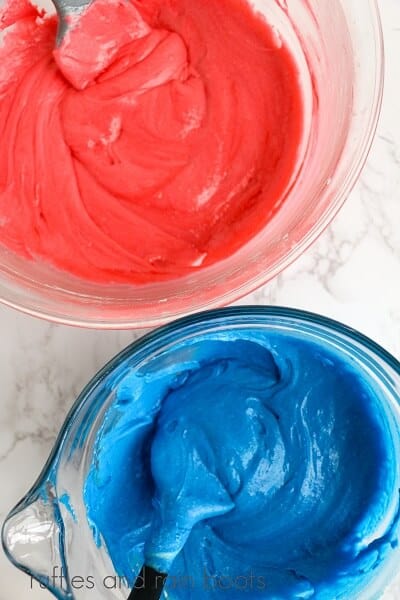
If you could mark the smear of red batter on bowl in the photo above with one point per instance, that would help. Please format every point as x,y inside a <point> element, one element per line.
<point>159,150</point>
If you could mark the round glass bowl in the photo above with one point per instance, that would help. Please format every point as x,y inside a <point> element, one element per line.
<point>339,51</point>
<point>49,528</point>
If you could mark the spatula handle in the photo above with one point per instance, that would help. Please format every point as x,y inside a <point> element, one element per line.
<point>149,585</point>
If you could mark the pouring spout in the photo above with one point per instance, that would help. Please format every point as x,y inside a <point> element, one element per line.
<point>32,538</point>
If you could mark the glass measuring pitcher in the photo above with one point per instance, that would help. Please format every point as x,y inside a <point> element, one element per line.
<point>48,534</point>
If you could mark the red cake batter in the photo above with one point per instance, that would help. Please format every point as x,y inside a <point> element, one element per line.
<point>159,138</point>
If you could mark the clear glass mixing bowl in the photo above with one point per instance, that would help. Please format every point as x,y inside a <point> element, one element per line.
<point>48,531</point>
<point>339,49</point>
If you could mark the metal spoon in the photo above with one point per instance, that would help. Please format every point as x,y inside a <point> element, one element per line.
<point>67,11</point>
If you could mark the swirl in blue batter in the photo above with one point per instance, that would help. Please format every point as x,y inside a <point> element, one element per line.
<point>248,464</point>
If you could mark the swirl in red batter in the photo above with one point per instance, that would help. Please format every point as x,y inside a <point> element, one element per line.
<point>158,149</point>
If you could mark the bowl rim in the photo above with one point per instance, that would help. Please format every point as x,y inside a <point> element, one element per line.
<point>112,322</point>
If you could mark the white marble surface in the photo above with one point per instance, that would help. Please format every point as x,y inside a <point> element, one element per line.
<point>352,274</point>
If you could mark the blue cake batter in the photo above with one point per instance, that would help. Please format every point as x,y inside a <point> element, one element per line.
<point>248,464</point>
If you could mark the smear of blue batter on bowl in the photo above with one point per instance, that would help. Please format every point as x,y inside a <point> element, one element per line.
<point>248,464</point>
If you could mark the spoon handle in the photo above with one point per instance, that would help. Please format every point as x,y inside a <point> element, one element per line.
<point>149,585</point>
<point>66,7</point>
